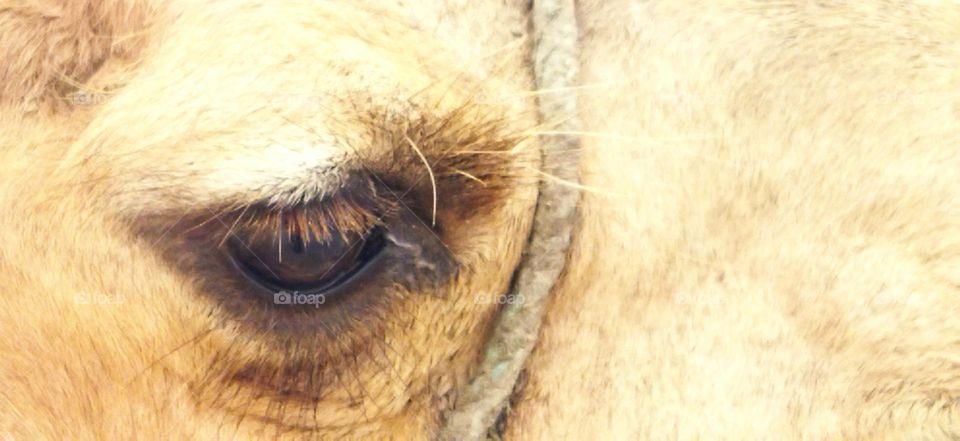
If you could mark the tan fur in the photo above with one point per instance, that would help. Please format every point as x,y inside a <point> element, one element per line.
<point>773,251</point>
<point>768,246</point>
<point>225,104</point>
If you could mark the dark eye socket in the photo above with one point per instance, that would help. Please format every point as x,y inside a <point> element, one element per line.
<point>297,261</point>
<point>360,249</point>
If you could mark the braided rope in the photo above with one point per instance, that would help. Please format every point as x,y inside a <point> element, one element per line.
<point>481,402</point>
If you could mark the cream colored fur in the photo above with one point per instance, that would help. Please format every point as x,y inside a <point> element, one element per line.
<point>773,247</point>
<point>768,244</point>
<point>224,103</point>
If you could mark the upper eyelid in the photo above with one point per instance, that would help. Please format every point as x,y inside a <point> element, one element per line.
<point>355,207</point>
<point>472,150</point>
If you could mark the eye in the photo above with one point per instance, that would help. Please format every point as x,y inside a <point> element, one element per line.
<point>312,247</point>
<point>348,256</point>
<point>350,249</point>
<point>300,258</point>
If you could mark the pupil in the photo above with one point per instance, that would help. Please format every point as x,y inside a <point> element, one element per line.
<point>302,264</point>
<point>296,243</point>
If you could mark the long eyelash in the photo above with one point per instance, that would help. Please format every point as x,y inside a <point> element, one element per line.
<point>347,215</point>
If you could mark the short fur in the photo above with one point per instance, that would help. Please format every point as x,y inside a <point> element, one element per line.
<point>233,105</point>
<point>772,249</point>
<point>768,245</point>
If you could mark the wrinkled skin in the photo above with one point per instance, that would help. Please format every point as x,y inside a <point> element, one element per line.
<point>768,244</point>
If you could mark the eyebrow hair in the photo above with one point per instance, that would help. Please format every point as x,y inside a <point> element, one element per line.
<point>450,150</point>
<point>474,152</point>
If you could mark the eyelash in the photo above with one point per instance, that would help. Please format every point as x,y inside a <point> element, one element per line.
<point>413,260</point>
<point>346,214</point>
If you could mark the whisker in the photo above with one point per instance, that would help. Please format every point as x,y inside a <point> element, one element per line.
<point>472,177</point>
<point>167,230</point>
<point>213,216</point>
<point>232,226</point>
<point>564,89</point>
<point>192,341</point>
<point>621,137</point>
<point>483,152</point>
<point>433,180</point>
<point>657,142</point>
<point>344,386</point>
<point>74,83</point>
<point>279,237</point>
<point>570,184</point>
<point>117,40</point>
<point>510,45</point>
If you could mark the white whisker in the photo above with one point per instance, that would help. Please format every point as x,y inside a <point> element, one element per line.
<point>433,180</point>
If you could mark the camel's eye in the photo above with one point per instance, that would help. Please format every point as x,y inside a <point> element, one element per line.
<point>301,258</point>
<point>295,266</point>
